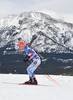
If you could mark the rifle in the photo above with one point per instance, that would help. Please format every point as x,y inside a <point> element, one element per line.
<point>28,44</point>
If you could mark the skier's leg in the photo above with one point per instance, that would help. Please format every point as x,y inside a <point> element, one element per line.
<point>30,70</point>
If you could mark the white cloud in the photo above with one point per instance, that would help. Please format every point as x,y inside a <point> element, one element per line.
<point>61,9</point>
<point>53,14</point>
<point>68,17</point>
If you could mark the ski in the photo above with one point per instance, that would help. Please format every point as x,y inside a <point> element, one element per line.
<point>28,84</point>
<point>24,84</point>
<point>9,83</point>
<point>20,83</point>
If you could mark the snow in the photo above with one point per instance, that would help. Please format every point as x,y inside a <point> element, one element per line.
<point>46,91</point>
<point>52,32</point>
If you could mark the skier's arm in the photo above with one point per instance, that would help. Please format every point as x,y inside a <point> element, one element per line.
<point>30,54</point>
<point>26,58</point>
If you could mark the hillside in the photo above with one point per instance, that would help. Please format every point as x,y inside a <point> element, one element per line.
<point>51,37</point>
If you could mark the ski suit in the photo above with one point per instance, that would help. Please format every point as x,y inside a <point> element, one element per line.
<point>36,61</point>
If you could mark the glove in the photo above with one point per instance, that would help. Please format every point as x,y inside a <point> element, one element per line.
<point>26,59</point>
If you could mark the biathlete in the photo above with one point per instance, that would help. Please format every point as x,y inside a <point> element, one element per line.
<point>31,54</point>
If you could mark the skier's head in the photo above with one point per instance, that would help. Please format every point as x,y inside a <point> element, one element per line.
<point>21,45</point>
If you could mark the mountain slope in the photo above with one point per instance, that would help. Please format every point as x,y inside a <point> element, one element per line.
<point>52,35</point>
<point>53,38</point>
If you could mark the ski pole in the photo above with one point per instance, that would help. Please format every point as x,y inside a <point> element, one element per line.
<point>46,75</point>
<point>50,78</point>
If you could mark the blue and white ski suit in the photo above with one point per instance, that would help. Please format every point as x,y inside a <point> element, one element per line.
<point>36,60</point>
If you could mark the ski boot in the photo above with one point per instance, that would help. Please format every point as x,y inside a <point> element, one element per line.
<point>34,81</point>
<point>29,82</point>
